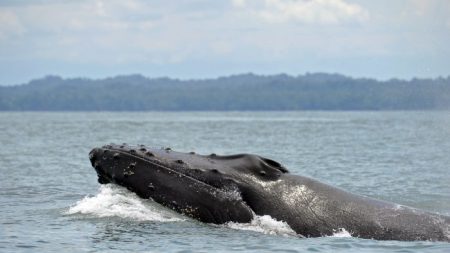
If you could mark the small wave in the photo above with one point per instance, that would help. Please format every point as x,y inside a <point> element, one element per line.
<point>115,201</point>
<point>264,224</point>
<point>341,233</point>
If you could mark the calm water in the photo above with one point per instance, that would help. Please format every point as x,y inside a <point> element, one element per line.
<point>51,202</point>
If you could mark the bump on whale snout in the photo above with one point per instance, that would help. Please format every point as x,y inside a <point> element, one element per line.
<point>95,155</point>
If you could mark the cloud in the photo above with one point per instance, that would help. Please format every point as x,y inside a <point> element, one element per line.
<point>203,36</point>
<point>10,25</point>
<point>238,3</point>
<point>305,11</point>
<point>81,31</point>
<point>222,47</point>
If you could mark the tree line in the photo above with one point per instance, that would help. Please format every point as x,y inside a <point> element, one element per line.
<point>318,91</point>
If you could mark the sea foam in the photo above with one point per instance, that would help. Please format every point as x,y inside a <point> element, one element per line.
<point>342,232</point>
<point>116,201</point>
<point>264,224</point>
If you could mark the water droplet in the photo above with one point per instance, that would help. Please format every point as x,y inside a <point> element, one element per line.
<point>262,173</point>
<point>127,173</point>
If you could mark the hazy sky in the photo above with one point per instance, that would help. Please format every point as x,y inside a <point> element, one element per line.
<point>209,38</point>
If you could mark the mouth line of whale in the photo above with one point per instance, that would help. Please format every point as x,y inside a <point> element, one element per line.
<point>177,173</point>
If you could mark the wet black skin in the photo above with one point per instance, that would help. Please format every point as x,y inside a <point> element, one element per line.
<point>219,189</point>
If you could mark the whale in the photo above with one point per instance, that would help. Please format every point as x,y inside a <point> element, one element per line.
<point>234,188</point>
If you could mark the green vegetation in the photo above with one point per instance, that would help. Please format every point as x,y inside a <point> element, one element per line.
<point>239,92</point>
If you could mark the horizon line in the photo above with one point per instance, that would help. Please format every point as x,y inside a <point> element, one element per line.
<point>222,76</point>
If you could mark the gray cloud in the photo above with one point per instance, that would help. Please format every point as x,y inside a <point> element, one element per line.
<point>312,11</point>
<point>195,38</point>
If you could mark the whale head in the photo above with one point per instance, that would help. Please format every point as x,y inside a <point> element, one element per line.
<point>210,188</point>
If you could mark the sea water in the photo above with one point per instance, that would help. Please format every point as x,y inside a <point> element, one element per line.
<point>51,202</point>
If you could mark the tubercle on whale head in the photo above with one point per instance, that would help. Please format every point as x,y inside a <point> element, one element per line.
<point>203,167</point>
<point>114,163</point>
<point>94,156</point>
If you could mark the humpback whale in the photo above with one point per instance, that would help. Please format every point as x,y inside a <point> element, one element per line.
<point>219,189</point>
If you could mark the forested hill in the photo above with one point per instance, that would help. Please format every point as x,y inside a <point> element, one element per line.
<point>238,92</point>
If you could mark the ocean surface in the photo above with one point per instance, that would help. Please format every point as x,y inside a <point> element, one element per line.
<point>50,200</point>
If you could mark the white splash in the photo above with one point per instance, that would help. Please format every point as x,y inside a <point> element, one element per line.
<point>115,201</point>
<point>341,233</point>
<point>264,224</point>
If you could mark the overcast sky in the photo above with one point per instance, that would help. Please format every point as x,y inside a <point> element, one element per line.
<point>205,38</point>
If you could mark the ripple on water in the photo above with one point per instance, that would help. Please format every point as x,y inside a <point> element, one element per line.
<point>397,156</point>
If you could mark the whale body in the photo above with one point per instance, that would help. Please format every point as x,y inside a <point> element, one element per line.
<point>219,189</point>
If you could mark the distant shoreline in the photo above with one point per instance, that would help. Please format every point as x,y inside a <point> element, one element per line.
<point>245,92</point>
<point>223,111</point>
